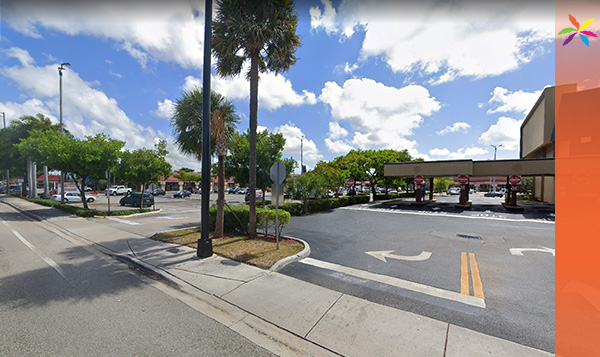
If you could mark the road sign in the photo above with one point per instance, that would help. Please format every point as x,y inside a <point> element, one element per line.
<point>419,179</point>
<point>278,172</point>
<point>349,182</point>
<point>463,179</point>
<point>514,180</point>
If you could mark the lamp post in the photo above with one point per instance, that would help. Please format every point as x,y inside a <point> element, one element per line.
<point>495,151</point>
<point>7,178</point>
<point>301,155</point>
<point>62,174</point>
<point>205,248</point>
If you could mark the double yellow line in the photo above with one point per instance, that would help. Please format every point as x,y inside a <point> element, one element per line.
<point>464,276</point>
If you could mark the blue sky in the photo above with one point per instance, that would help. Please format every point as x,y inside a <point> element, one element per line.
<point>444,80</point>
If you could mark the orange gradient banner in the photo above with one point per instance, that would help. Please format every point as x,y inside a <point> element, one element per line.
<point>577,109</point>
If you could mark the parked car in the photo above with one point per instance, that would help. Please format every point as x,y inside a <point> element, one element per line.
<point>258,196</point>
<point>182,194</point>
<point>158,192</point>
<point>500,193</point>
<point>472,190</point>
<point>117,190</point>
<point>454,190</point>
<point>242,191</point>
<point>133,198</point>
<point>71,197</point>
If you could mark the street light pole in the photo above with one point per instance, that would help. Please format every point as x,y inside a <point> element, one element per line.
<point>62,174</point>
<point>205,248</point>
<point>301,155</point>
<point>7,176</point>
<point>495,151</point>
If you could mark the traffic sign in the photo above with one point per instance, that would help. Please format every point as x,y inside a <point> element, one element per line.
<point>514,180</point>
<point>463,179</point>
<point>419,179</point>
<point>349,182</point>
<point>278,172</point>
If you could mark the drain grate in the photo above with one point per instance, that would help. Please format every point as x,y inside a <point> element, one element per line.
<point>467,236</point>
<point>173,250</point>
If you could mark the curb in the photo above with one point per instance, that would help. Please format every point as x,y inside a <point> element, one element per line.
<point>294,258</point>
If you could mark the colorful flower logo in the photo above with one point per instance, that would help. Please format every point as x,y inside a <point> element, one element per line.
<point>578,30</point>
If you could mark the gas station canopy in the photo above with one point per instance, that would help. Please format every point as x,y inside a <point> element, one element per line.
<point>522,167</point>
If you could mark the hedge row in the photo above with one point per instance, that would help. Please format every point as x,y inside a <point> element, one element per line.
<point>389,196</point>
<point>297,208</point>
<point>241,224</point>
<point>82,212</point>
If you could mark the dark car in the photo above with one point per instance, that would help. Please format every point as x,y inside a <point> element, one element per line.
<point>158,192</point>
<point>258,196</point>
<point>133,198</point>
<point>182,194</point>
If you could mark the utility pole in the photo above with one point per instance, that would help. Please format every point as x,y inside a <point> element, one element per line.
<point>495,151</point>
<point>62,174</point>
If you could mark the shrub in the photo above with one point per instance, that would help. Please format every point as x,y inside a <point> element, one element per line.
<point>81,212</point>
<point>266,219</point>
<point>231,225</point>
<point>319,205</point>
<point>295,209</point>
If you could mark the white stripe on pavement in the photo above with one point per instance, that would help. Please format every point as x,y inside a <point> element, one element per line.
<point>123,221</point>
<point>45,258</point>
<point>442,214</point>
<point>403,284</point>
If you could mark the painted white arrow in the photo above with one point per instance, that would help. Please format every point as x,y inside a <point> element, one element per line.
<point>382,254</point>
<point>519,251</point>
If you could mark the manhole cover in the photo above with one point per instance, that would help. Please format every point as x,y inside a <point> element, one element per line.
<point>173,250</point>
<point>467,236</point>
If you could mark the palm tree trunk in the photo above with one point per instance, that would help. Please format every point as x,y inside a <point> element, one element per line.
<point>220,198</point>
<point>253,124</point>
<point>142,198</point>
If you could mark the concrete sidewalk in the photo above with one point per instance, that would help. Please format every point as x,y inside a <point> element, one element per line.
<point>283,314</point>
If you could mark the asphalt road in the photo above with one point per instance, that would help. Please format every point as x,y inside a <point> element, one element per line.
<point>57,298</point>
<point>518,290</point>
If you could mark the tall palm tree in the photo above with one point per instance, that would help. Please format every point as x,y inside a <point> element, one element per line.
<point>263,31</point>
<point>187,126</point>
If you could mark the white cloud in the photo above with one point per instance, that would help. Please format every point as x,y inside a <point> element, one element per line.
<point>462,153</point>
<point>336,131</point>
<point>324,19</point>
<point>165,109</point>
<point>274,91</point>
<point>454,128</point>
<point>148,30</point>
<point>505,132</point>
<point>22,55</point>
<point>445,40</point>
<point>338,146</point>
<point>86,110</point>
<point>381,116</point>
<point>292,135</point>
<point>507,101</point>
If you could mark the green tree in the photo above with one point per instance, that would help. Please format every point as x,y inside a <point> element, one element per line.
<point>333,176</point>
<point>12,159</point>
<point>263,31</point>
<point>187,125</point>
<point>306,187</point>
<point>143,166</point>
<point>269,150</point>
<point>89,158</point>
<point>441,184</point>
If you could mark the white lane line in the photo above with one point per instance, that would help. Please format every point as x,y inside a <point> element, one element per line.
<point>44,257</point>
<point>444,214</point>
<point>123,221</point>
<point>403,284</point>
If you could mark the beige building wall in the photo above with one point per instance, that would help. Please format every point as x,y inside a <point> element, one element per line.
<point>537,139</point>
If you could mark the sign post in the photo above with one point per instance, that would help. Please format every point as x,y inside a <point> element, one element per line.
<point>277,176</point>
<point>108,195</point>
